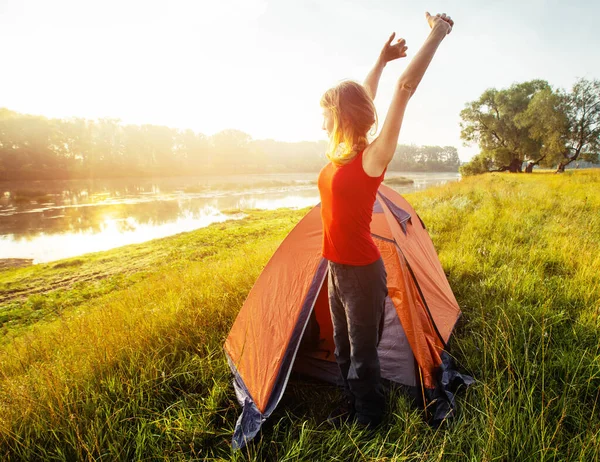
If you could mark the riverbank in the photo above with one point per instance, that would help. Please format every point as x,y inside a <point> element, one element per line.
<point>51,221</point>
<point>124,360</point>
<point>6,263</point>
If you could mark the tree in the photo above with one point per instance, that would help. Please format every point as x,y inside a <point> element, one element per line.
<point>582,132</point>
<point>480,163</point>
<point>193,150</point>
<point>136,147</point>
<point>430,155</point>
<point>567,124</point>
<point>491,122</point>
<point>231,150</point>
<point>35,147</point>
<point>546,119</point>
<point>29,144</point>
<point>161,141</point>
<point>76,138</point>
<point>405,157</point>
<point>449,158</point>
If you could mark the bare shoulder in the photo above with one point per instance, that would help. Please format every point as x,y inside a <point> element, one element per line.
<point>372,161</point>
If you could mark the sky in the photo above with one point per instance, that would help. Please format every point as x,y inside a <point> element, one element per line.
<point>261,66</point>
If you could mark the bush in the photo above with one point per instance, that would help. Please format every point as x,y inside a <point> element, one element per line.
<point>481,163</point>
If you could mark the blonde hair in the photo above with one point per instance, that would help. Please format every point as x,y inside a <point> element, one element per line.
<point>353,114</point>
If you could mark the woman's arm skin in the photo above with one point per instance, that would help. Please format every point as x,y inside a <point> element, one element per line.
<point>380,152</point>
<point>388,53</point>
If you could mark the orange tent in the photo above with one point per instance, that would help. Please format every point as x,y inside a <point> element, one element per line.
<point>290,294</point>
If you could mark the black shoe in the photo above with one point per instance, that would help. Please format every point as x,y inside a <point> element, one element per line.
<point>342,414</point>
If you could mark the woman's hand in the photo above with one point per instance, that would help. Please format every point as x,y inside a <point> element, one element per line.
<point>380,152</point>
<point>390,52</point>
<point>441,21</point>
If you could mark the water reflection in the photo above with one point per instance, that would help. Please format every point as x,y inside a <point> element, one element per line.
<point>106,234</point>
<point>50,220</point>
<point>294,201</point>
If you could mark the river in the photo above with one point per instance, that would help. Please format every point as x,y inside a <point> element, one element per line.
<point>43,221</point>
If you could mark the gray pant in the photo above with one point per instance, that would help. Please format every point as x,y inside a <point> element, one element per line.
<point>357,298</point>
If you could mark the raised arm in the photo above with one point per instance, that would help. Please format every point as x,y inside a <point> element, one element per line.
<point>381,151</point>
<point>388,53</point>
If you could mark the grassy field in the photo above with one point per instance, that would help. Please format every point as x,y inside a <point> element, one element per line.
<point>118,355</point>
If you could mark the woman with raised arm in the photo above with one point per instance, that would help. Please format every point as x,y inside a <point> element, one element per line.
<point>357,285</point>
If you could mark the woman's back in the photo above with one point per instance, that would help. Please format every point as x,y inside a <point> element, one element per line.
<point>347,198</point>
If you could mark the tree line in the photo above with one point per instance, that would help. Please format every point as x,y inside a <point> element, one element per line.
<point>533,123</point>
<point>36,147</point>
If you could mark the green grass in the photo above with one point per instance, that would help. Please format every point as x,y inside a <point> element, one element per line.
<point>135,370</point>
<point>45,291</point>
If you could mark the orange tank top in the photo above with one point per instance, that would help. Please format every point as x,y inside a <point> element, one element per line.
<point>347,198</point>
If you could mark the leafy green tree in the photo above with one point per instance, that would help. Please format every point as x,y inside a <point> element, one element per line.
<point>450,158</point>
<point>35,147</point>
<point>29,144</point>
<point>76,141</point>
<point>107,146</point>
<point>405,157</point>
<point>582,132</point>
<point>547,122</point>
<point>425,158</point>
<point>491,122</point>
<point>231,151</point>
<point>161,142</point>
<point>193,150</point>
<point>555,128</point>
<point>480,163</point>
